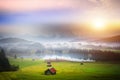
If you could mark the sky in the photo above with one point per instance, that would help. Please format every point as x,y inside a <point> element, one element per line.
<point>58,10</point>
<point>85,16</point>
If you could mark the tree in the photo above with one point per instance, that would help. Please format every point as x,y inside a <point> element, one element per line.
<point>4,63</point>
<point>15,56</point>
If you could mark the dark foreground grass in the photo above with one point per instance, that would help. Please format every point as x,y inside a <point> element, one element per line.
<point>34,70</point>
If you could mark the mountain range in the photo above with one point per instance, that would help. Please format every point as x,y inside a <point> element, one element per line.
<point>112,39</point>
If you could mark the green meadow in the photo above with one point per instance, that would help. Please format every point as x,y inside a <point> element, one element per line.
<point>34,70</point>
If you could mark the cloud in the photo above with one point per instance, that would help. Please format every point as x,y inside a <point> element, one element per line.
<point>112,8</point>
<point>53,8</point>
<point>48,10</point>
<point>22,5</point>
<point>94,1</point>
<point>108,9</point>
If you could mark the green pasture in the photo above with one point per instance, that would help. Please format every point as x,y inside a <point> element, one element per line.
<point>34,70</point>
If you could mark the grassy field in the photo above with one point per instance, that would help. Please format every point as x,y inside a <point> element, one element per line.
<point>34,70</point>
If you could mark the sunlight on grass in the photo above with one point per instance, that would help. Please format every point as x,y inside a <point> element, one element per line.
<point>34,70</point>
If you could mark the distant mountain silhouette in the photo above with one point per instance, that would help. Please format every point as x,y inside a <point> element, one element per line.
<point>19,46</point>
<point>12,40</point>
<point>115,38</point>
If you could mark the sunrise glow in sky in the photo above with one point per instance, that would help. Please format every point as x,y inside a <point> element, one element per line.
<point>99,17</point>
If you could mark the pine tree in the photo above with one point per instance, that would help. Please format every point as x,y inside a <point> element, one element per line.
<point>4,63</point>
